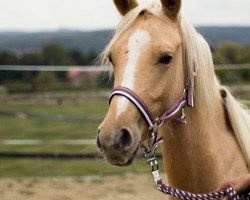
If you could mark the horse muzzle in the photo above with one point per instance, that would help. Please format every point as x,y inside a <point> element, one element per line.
<point>119,147</point>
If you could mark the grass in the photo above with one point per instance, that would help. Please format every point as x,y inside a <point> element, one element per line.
<point>40,129</point>
<point>51,167</point>
<point>83,107</point>
<point>49,148</point>
<point>16,128</point>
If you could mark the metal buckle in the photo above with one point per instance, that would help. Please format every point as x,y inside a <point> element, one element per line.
<point>183,116</point>
<point>151,160</point>
<point>182,119</point>
<point>150,153</point>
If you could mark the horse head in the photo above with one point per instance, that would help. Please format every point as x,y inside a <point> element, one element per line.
<point>146,54</point>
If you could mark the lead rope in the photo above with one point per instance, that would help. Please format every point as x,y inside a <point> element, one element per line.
<point>150,156</point>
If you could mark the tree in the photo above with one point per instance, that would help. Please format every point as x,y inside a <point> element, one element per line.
<point>46,81</point>
<point>55,54</point>
<point>231,53</point>
<point>77,57</point>
<point>90,58</point>
<point>8,58</point>
<point>31,59</point>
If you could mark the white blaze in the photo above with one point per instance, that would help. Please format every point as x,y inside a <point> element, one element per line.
<point>136,42</point>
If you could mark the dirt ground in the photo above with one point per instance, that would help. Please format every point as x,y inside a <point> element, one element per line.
<point>111,187</point>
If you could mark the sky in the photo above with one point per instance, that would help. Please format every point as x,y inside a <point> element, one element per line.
<point>37,15</point>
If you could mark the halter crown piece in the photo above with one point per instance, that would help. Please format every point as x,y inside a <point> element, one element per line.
<point>154,124</point>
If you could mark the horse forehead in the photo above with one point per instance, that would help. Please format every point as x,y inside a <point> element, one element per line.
<point>138,38</point>
<point>129,45</point>
<point>154,23</point>
<point>160,32</point>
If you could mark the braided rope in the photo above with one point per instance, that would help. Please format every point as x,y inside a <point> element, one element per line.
<point>208,196</point>
<point>151,159</point>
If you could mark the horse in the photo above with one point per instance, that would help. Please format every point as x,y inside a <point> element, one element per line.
<point>153,53</point>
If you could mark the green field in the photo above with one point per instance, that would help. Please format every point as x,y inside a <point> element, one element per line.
<point>21,129</point>
<point>61,167</point>
<point>47,130</point>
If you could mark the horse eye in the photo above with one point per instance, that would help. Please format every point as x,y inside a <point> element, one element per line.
<point>165,59</point>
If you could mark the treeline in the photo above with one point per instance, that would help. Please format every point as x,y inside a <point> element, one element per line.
<point>231,53</point>
<point>52,54</point>
<point>55,54</point>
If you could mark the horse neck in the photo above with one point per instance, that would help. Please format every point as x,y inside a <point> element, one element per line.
<point>200,155</point>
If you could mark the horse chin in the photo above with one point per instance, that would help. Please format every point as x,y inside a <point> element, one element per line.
<point>128,162</point>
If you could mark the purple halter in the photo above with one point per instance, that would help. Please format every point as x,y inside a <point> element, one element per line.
<point>154,141</point>
<point>185,99</point>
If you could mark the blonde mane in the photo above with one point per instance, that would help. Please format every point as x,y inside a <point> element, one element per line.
<point>206,87</point>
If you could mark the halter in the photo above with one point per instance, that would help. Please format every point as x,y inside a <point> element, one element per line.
<point>154,124</point>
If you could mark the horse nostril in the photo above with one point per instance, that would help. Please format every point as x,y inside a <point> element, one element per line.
<point>125,140</point>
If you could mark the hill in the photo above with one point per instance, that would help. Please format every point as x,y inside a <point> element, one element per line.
<point>218,35</point>
<point>96,40</point>
<point>83,41</point>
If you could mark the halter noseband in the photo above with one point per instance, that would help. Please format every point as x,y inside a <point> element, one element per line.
<point>185,99</point>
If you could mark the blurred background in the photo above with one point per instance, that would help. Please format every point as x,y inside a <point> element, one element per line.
<point>53,93</point>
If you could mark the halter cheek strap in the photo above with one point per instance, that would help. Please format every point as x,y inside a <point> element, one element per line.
<point>185,99</point>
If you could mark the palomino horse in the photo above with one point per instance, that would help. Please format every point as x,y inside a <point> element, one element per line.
<point>153,52</point>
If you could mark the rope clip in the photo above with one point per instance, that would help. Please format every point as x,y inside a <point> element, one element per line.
<point>151,160</point>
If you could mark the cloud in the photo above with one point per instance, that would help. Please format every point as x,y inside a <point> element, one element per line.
<point>219,12</point>
<point>53,14</point>
<point>97,14</point>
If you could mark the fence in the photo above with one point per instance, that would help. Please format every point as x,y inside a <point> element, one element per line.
<point>97,68</point>
<point>60,98</point>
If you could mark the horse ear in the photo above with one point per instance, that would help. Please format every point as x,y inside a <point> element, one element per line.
<point>171,8</point>
<point>124,6</point>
